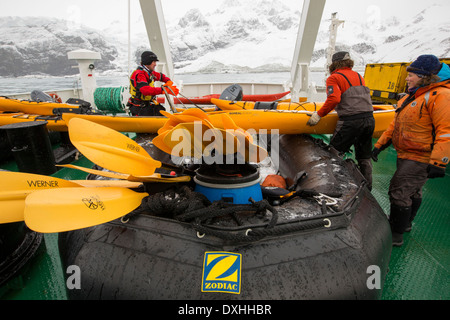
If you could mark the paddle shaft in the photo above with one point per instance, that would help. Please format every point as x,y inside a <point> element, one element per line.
<point>168,100</point>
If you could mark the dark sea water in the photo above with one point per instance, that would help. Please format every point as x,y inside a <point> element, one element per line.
<point>9,86</point>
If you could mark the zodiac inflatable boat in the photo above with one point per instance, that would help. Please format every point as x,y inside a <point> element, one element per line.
<point>319,236</point>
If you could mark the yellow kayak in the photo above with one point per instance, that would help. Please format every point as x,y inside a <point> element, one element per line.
<point>32,107</point>
<point>122,123</point>
<point>281,115</point>
<point>284,121</point>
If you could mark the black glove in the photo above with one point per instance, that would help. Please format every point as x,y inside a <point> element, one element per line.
<point>435,172</point>
<point>375,153</point>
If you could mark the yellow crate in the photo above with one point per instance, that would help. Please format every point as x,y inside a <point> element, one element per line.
<point>387,81</point>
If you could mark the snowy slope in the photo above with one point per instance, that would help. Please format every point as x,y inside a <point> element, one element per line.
<point>396,40</point>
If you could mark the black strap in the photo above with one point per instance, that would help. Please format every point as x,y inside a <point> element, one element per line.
<point>407,101</point>
<point>360,79</point>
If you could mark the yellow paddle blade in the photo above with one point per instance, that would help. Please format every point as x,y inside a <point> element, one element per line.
<point>228,123</point>
<point>195,112</point>
<point>190,115</point>
<point>196,139</point>
<point>185,140</point>
<point>180,117</point>
<point>67,209</point>
<point>110,149</point>
<point>249,150</point>
<point>16,186</point>
<point>158,142</point>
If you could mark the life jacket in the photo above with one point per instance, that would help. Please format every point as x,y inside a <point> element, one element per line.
<point>355,101</point>
<point>420,130</point>
<point>134,86</point>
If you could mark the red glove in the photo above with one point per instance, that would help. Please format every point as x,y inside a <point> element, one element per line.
<point>171,89</point>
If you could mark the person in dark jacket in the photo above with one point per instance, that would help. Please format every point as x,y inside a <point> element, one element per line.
<point>347,93</point>
<point>420,133</point>
<point>142,87</point>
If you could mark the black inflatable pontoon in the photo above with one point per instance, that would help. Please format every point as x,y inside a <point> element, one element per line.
<point>321,241</point>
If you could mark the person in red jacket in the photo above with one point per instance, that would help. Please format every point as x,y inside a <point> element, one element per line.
<point>347,93</point>
<point>420,133</point>
<point>142,87</point>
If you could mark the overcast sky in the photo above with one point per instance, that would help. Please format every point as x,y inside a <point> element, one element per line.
<point>98,13</point>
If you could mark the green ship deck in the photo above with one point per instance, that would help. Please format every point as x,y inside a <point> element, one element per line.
<point>419,270</point>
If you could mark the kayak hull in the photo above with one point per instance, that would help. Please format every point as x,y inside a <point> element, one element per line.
<point>283,121</point>
<point>53,123</point>
<point>227,105</point>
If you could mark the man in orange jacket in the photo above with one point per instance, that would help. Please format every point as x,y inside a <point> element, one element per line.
<point>420,133</point>
<point>142,87</point>
<point>347,93</point>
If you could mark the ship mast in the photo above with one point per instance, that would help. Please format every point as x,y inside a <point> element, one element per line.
<point>335,23</point>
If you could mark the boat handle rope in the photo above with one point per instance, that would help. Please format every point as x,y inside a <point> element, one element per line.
<point>329,201</point>
<point>200,236</point>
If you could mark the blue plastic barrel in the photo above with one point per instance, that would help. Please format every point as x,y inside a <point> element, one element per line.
<point>233,193</point>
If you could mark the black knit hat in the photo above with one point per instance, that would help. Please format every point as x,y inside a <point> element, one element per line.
<point>148,57</point>
<point>425,65</point>
<point>341,55</point>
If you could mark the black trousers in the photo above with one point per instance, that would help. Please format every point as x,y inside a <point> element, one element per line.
<point>407,182</point>
<point>146,110</point>
<point>356,133</point>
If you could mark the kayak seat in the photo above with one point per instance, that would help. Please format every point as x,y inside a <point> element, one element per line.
<point>266,105</point>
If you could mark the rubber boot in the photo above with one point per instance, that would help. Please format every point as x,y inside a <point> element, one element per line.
<point>365,166</point>
<point>399,220</point>
<point>416,202</point>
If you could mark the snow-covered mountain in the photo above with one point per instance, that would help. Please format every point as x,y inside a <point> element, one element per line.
<point>261,36</point>
<point>34,46</point>
<point>237,36</point>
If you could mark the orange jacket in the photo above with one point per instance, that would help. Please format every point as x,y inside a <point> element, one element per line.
<point>337,85</point>
<point>421,130</point>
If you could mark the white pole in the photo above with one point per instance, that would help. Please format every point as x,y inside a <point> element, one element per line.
<point>129,38</point>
